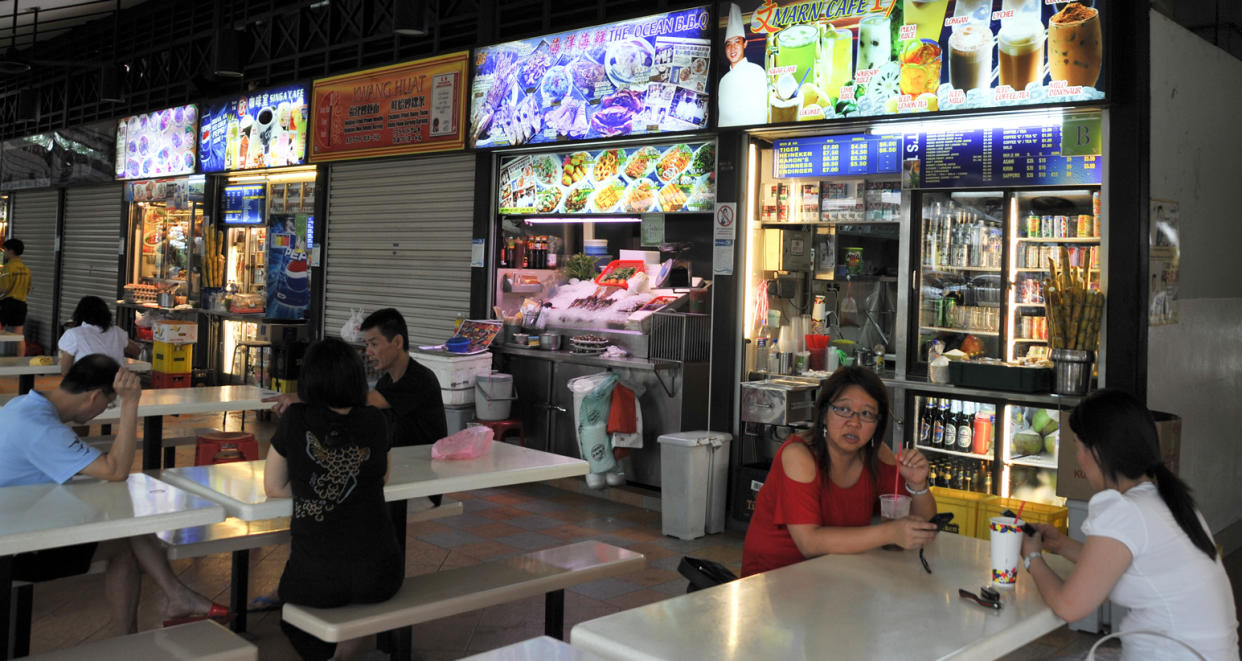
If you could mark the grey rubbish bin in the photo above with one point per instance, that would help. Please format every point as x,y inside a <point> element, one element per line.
<point>694,472</point>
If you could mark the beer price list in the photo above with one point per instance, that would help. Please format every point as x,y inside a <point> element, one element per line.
<point>830,156</point>
<point>1021,156</point>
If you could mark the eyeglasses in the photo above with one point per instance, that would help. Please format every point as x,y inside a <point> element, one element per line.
<point>845,413</point>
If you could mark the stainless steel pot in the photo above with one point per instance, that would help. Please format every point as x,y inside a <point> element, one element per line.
<point>550,341</point>
<point>167,300</point>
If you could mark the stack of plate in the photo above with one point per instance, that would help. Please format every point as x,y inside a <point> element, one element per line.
<point>587,344</point>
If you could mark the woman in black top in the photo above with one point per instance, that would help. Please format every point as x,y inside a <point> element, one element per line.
<point>330,454</point>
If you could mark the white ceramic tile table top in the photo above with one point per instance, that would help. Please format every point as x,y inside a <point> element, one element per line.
<point>17,366</point>
<point>11,337</point>
<point>44,516</point>
<point>543,648</point>
<point>176,401</point>
<point>238,486</point>
<point>874,605</point>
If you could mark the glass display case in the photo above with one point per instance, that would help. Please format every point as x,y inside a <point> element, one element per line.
<point>166,228</point>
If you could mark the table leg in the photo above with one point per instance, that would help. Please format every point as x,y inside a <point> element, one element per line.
<point>24,612</point>
<point>25,383</point>
<point>238,594</point>
<point>554,614</point>
<point>6,604</point>
<point>152,441</point>
<point>399,643</point>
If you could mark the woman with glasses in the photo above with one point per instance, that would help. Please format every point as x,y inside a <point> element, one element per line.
<point>823,490</point>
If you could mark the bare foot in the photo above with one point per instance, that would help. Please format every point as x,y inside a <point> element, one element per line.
<point>185,604</point>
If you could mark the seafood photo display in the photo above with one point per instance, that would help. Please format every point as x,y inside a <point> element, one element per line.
<point>645,75</point>
<point>653,178</point>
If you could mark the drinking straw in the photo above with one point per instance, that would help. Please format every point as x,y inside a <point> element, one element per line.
<point>1018,518</point>
<point>897,474</point>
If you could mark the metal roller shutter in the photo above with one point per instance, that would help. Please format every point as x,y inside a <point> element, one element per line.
<point>34,222</point>
<point>88,247</point>
<point>398,236</point>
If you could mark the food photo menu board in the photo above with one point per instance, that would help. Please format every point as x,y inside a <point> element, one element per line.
<point>157,144</point>
<point>262,130</point>
<point>816,60</point>
<point>646,75</point>
<point>651,178</point>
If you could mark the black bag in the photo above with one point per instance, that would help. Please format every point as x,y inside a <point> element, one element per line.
<point>703,573</point>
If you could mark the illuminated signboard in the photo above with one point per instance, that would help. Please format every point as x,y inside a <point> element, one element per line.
<point>261,130</point>
<point>815,59</point>
<point>646,75</point>
<point>157,144</point>
<point>243,205</point>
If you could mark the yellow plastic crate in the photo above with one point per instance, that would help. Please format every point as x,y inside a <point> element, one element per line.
<point>172,358</point>
<point>1033,513</point>
<point>963,504</point>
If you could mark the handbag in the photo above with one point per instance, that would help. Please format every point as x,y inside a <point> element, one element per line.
<point>703,573</point>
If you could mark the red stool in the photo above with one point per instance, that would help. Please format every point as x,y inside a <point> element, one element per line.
<point>501,427</point>
<point>221,447</point>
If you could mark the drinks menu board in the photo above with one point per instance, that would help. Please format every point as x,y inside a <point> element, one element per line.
<point>261,130</point>
<point>645,75</point>
<point>243,205</point>
<point>157,144</point>
<point>651,178</point>
<point>810,60</point>
<point>830,156</point>
<point>1018,156</point>
<point>411,108</point>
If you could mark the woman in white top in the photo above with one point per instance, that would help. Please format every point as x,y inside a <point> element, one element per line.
<point>1147,548</point>
<point>93,333</point>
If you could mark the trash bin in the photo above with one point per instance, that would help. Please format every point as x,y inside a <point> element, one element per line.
<point>694,471</point>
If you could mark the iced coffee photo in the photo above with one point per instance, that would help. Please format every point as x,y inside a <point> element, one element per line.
<point>1020,48</point>
<point>1075,46</point>
<point>970,56</point>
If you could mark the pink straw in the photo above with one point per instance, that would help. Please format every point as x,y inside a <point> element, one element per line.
<point>1018,518</point>
<point>897,475</point>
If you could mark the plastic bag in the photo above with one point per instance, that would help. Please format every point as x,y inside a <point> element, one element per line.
<point>350,330</point>
<point>469,443</point>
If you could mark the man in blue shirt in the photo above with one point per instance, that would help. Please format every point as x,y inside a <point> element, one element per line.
<point>37,446</point>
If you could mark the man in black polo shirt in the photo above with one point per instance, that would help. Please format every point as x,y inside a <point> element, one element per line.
<point>407,392</point>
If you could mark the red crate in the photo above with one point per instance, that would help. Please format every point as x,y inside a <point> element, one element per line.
<point>162,380</point>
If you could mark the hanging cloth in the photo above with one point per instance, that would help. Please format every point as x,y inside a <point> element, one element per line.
<point>621,416</point>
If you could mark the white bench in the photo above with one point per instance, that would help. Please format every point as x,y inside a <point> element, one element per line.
<point>170,445</point>
<point>432,596</point>
<point>204,640</point>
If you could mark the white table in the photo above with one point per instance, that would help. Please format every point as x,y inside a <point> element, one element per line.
<point>155,404</point>
<point>874,605</point>
<point>45,516</point>
<point>238,486</point>
<point>543,648</point>
<point>20,367</point>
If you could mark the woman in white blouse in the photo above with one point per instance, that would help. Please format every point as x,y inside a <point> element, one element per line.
<point>1147,547</point>
<point>93,332</point>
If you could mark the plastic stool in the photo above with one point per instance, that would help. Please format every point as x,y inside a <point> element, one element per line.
<point>211,443</point>
<point>501,427</point>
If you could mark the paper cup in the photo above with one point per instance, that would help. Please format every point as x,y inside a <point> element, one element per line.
<point>1006,547</point>
<point>894,506</point>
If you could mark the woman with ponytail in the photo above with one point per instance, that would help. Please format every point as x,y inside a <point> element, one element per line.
<point>1147,547</point>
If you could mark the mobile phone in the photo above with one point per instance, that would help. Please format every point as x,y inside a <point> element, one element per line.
<point>941,519</point>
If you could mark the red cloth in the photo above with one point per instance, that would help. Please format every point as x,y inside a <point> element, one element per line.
<point>783,501</point>
<point>622,418</point>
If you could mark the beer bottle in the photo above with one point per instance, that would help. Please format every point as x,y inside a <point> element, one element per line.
<point>925,421</point>
<point>965,427</point>
<point>950,425</point>
<point>938,424</point>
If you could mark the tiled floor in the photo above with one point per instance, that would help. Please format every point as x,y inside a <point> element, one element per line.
<point>496,523</point>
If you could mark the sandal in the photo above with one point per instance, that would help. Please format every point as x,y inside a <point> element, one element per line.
<point>217,612</point>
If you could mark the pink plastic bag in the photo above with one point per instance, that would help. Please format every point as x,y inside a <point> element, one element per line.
<point>469,443</point>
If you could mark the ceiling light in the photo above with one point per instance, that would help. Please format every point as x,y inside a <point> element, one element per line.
<point>409,18</point>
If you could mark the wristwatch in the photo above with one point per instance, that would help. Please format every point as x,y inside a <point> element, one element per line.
<point>1026,562</point>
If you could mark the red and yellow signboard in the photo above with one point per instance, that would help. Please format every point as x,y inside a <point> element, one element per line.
<point>410,108</point>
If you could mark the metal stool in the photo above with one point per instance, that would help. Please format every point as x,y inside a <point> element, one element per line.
<point>501,427</point>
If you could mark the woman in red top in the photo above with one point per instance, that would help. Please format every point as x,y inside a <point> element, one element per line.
<point>822,492</point>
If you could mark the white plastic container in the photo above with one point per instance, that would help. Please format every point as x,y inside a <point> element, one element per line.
<point>454,372</point>
<point>494,396</point>
<point>694,472</point>
<point>457,417</point>
<point>175,332</point>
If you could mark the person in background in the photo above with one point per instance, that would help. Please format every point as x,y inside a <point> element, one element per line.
<point>822,491</point>
<point>37,447</point>
<point>330,454</point>
<point>1147,546</point>
<point>14,288</point>
<point>93,332</point>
